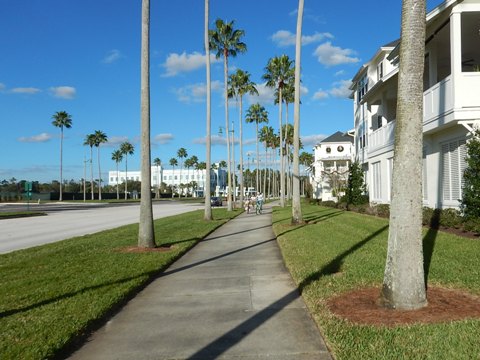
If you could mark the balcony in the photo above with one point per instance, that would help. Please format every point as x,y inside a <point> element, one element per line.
<point>437,100</point>
<point>382,137</point>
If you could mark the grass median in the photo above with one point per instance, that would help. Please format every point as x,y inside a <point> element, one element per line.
<point>338,251</point>
<point>53,294</point>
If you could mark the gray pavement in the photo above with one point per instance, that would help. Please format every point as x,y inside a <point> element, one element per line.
<point>230,297</point>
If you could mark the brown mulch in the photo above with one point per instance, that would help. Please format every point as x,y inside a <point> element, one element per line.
<point>136,249</point>
<point>362,306</point>
<point>461,232</point>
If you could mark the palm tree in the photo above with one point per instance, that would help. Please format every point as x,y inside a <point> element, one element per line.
<point>117,156</point>
<point>239,85</point>
<point>61,119</point>
<point>257,114</point>
<point>90,141</point>
<point>146,233</point>
<point>208,206</point>
<point>278,72</point>
<point>181,154</point>
<point>173,162</point>
<point>127,149</point>
<point>265,135</point>
<point>99,138</point>
<point>157,162</point>
<point>297,217</point>
<point>226,42</point>
<point>404,281</point>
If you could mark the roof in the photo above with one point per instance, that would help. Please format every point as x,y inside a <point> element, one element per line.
<point>338,137</point>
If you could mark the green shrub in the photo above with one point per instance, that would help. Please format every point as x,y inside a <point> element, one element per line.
<point>450,218</point>
<point>383,210</point>
<point>472,225</point>
<point>329,203</point>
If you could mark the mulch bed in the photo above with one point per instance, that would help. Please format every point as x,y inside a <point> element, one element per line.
<point>362,306</point>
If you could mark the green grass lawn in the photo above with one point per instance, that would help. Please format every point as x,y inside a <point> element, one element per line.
<point>338,251</point>
<point>53,294</point>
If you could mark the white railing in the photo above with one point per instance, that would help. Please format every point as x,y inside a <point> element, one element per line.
<point>381,137</point>
<point>438,99</point>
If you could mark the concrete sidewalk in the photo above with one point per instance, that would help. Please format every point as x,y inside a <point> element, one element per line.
<point>230,297</point>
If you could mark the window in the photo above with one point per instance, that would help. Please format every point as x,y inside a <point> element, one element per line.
<point>379,121</point>
<point>380,71</point>
<point>340,148</point>
<point>377,181</point>
<point>328,150</point>
<point>362,88</point>
<point>390,177</point>
<point>453,166</point>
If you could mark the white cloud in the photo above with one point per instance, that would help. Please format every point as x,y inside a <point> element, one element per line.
<point>178,63</point>
<point>196,92</point>
<point>266,95</point>
<point>43,137</point>
<point>286,38</point>
<point>163,138</point>
<point>114,141</point>
<point>330,55</point>
<point>320,95</point>
<point>341,89</point>
<point>340,72</point>
<point>112,56</point>
<point>312,140</point>
<point>25,90</point>
<point>215,140</point>
<point>64,92</point>
<point>2,87</point>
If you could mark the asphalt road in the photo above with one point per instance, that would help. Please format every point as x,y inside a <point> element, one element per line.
<point>66,220</point>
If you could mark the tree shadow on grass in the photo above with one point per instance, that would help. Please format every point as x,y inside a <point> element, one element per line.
<point>309,221</point>
<point>429,242</point>
<point>335,265</point>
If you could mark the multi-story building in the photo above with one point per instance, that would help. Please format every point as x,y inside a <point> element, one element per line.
<point>451,105</point>
<point>175,177</point>
<point>332,158</point>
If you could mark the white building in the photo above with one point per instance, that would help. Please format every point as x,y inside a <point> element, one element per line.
<point>174,177</point>
<point>332,157</point>
<point>451,105</point>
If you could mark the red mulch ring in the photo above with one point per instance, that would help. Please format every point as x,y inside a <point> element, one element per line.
<point>363,307</point>
<point>137,249</point>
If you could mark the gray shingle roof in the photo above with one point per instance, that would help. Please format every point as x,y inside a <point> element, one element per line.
<point>338,137</point>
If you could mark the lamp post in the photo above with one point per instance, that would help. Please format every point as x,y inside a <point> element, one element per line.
<point>229,162</point>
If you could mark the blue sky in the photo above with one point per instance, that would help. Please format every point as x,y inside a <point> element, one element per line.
<point>83,57</point>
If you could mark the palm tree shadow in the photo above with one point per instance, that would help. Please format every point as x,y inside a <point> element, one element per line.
<point>310,221</point>
<point>429,242</point>
<point>335,265</point>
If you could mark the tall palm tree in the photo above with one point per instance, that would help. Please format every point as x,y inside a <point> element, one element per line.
<point>240,84</point>
<point>61,119</point>
<point>404,281</point>
<point>127,149</point>
<point>173,162</point>
<point>146,233</point>
<point>90,141</point>
<point>297,217</point>
<point>278,72</point>
<point>225,40</point>
<point>265,136</point>
<point>208,206</point>
<point>181,154</point>
<point>99,137</point>
<point>157,162</point>
<point>257,114</point>
<point>117,156</point>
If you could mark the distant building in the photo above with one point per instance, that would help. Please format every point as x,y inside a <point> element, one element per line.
<point>451,105</point>
<point>332,158</point>
<point>175,177</point>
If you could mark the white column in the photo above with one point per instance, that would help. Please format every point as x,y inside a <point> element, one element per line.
<point>456,56</point>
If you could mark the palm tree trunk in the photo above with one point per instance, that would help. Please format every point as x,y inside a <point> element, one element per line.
<point>146,233</point>
<point>240,179</point>
<point>208,207</point>
<point>126,176</point>
<point>99,175</point>
<point>404,281</point>
<point>60,196</point>
<point>118,193</point>
<point>282,170</point>
<point>229,170</point>
<point>91,173</point>
<point>257,185</point>
<point>297,217</point>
